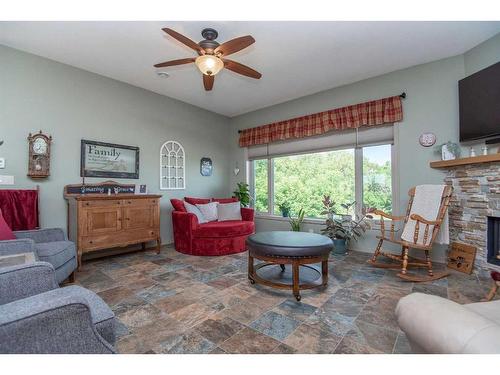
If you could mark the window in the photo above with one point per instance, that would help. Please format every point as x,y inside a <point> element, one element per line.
<point>285,184</point>
<point>300,181</point>
<point>377,177</point>
<point>261,200</point>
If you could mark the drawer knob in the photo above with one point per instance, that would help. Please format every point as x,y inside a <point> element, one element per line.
<point>129,202</point>
<point>91,241</point>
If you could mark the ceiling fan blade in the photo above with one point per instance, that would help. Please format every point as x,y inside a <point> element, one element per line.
<point>241,69</point>
<point>175,62</point>
<point>234,45</point>
<point>184,40</point>
<point>208,82</point>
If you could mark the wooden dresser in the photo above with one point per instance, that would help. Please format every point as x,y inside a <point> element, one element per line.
<point>99,221</point>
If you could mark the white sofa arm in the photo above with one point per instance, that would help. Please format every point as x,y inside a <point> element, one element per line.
<point>437,325</point>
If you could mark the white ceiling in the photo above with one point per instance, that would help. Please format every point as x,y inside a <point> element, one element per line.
<point>295,58</point>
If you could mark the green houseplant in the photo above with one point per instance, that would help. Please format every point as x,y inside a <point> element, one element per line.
<point>284,208</point>
<point>243,194</point>
<point>342,229</point>
<point>451,147</point>
<point>296,222</point>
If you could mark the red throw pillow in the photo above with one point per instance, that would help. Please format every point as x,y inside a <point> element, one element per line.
<point>178,205</point>
<point>225,200</point>
<point>197,200</point>
<point>5,231</point>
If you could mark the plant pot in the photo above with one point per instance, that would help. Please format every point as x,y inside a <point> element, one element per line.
<point>285,213</point>
<point>339,246</point>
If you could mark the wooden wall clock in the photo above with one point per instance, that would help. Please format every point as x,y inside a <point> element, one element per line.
<point>39,155</point>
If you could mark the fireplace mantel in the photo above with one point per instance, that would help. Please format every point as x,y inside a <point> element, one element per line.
<point>465,161</point>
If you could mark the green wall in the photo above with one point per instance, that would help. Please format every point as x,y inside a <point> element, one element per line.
<point>71,104</point>
<point>482,56</point>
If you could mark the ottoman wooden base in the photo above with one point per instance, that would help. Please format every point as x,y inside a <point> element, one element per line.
<point>296,263</point>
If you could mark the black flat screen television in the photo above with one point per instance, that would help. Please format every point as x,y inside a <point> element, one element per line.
<point>479,100</point>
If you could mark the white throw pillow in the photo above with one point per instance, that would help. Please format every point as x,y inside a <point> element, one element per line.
<point>191,208</point>
<point>209,210</point>
<point>229,211</point>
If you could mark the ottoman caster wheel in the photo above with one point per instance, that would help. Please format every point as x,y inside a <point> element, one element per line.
<point>298,298</point>
<point>282,267</point>
<point>252,281</point>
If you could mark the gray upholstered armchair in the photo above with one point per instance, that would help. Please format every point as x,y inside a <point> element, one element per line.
<point>48,245</point>
<point>36,316</point>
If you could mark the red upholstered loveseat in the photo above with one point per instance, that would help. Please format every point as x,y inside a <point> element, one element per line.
<point>212,238</point>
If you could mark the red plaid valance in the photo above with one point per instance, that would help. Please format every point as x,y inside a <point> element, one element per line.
<point>376,112</point>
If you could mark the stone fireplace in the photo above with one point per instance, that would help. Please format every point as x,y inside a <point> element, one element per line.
<point>475,210</point>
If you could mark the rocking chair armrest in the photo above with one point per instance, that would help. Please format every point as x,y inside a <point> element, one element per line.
<point>387,216</point>
<point>392,229</point>
<point>422,220</point>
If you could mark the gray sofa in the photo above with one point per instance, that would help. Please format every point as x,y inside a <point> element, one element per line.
<point>36,316</point>
<point>48,245</point>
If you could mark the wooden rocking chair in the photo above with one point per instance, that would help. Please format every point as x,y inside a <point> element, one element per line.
<point>419,242</point>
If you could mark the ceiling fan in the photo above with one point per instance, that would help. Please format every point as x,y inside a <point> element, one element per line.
<point>212,55</point>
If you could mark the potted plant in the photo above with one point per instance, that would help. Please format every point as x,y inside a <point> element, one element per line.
<point>338,234</point>
<point>329,207</point>
<point>296,222</point>
<point>448,150</point>
<point>243,194</point>
<point>342,229</point>
<point>347,207</point>
<point>284,208</point>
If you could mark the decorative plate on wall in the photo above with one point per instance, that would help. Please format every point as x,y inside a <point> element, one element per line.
<point>427,139</point>
<point>206,166</point>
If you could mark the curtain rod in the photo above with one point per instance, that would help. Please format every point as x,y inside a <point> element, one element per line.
<point>402,96</point>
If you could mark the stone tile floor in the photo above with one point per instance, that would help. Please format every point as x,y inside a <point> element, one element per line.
<point>176,303</point>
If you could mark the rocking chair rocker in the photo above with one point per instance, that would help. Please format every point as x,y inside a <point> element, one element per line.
<point>420,241</point>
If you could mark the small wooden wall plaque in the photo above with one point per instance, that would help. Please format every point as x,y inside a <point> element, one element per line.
<point>461,257</point>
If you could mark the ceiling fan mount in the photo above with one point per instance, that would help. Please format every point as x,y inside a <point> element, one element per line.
<point>209,33</point>
<point>209,44</point>
<point>212,55</point>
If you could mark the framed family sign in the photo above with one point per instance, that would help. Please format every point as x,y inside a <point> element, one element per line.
<point>99,159</point>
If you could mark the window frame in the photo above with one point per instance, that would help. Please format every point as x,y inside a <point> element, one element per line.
<point>358,179</point>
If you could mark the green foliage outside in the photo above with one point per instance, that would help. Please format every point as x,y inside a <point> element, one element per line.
<point>377,191</point>
<point>303,180</point>
<point>260,200</point>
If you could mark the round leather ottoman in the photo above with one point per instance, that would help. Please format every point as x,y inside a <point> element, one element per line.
<point>299,249</point>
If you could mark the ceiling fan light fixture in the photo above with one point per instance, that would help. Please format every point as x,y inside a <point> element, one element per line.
<point>209,64</point>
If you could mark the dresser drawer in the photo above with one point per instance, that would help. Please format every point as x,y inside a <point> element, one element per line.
<point>102,203</point>
<point>124,238</point>
<point>140,202</point>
